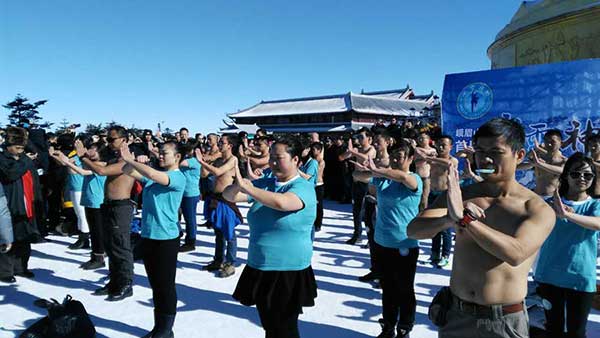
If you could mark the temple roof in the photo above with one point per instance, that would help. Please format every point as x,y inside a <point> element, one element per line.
<point>369,103</point>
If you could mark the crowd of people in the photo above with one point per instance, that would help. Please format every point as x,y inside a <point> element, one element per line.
<point>404,184</point>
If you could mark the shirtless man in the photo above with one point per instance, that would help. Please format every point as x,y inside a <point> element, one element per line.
<point>224,171</point>
<point>500,226</point>
<point>422,165</point>
<point>116,211</point>
<point>259,156</point>
<point>210,156</point>
<point>360,178</point>
<point>548,162</point>
<point>439,184</point>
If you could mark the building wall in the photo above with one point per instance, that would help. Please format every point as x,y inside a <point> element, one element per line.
<point>566,37</point>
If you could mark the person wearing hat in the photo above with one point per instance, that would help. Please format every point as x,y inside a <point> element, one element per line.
<point>21,185</point>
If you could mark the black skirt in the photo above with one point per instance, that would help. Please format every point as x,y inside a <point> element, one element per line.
<point>282,291</point>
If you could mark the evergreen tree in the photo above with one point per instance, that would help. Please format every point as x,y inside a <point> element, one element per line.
<point>93,129</point>
<point>21,112</point>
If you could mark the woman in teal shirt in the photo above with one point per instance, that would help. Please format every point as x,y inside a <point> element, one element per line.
<point>398,196</point>
<point>190,167</point>
<point>566,268</point>
<point>162,194</point>
<point>92,196</point>
<point>278,277</point>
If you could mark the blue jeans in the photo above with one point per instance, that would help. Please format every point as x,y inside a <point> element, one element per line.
<point>188,209</point>
<point>443,239</point>
<point>220,243</point>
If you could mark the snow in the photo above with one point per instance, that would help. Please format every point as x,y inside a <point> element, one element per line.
<point>344,307</point>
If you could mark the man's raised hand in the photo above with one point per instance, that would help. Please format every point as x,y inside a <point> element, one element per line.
<point>80,148</point>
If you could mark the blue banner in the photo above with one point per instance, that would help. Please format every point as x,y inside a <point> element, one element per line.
<point>564,96</point>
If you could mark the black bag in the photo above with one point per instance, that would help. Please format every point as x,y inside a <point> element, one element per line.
<point>66,320</point>
<point>439,307</point>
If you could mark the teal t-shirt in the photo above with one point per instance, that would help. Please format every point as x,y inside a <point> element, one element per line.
<point>311,167</point>
<point>192,177</point>
<point>75,181</point>
<point>568,256</point>
<point>161,203</point>
<point>281,240</point>
<point>92,193</point>
<point>397,205</point>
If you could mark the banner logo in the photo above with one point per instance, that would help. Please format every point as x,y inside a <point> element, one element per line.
<point>475,100</point>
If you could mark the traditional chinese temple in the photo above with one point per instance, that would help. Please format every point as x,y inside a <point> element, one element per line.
<point>335,113</point>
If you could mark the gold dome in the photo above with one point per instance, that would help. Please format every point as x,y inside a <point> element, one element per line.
<point>546,31</point>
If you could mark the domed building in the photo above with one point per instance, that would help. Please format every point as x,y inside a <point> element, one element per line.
<point>546,31</point>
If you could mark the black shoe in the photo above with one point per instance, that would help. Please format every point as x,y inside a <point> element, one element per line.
<point>8,279</point>
<point>352,240</point>
<point>403,333</point>
<point>26,274</point>
<point>207,225</point>
<point>163,325</point>
<point>93,264</point>
<point>103,291</point>
<point>371,276</point>
<point>83,242</point>
<point>187,247</point>
<point>120,293</point>
<point>39,239</point>
<point>387,330</point>
<point>317,229</point>
<point>213,266</point>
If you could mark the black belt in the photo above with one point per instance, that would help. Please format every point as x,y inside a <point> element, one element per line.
<point>125,201</point>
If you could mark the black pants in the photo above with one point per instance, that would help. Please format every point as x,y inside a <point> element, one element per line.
<point>204,186</point>
<point>359,190</point>
<point>320,191</point>
<point>94,219</point>
<point>15,260</point>
<point>578,305</point>
<point>278,325</point>
<point>370,210</point>
<point>160,261</point>
<point>116,217</point>
<point>398,286</point>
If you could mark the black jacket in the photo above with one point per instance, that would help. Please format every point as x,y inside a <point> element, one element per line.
<point>11,172</point>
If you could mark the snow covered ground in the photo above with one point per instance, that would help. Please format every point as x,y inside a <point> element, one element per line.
<point>345,307</point>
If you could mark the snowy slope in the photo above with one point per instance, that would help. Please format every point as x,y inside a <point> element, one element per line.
<point>345,307</point>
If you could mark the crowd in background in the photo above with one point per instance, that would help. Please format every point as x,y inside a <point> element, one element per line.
<point>395,174</point>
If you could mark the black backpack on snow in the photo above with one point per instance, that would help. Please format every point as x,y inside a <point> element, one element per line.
<point>66,320</point>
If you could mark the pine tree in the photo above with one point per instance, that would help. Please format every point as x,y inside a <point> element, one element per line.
<point>21,112</point>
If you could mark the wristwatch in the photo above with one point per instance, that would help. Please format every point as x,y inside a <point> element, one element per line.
<point>468,217</point>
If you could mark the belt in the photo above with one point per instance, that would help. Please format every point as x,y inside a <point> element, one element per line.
<point>125,201</point>
<point>486,310</point>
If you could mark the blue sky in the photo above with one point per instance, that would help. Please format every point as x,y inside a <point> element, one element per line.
<point>191,62</point>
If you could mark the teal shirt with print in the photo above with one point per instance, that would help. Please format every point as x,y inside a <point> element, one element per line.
<point>568,256</point>
<point>397,205</point>
<point>281,240</point>
<point>192,177</point>
<point>161,204</point>
<point>311,168</point>
<point>75,181</point>
<point>92,193</point>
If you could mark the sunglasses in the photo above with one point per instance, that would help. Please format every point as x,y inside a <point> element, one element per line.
<point>111,140</point>
<point>586,176</point>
